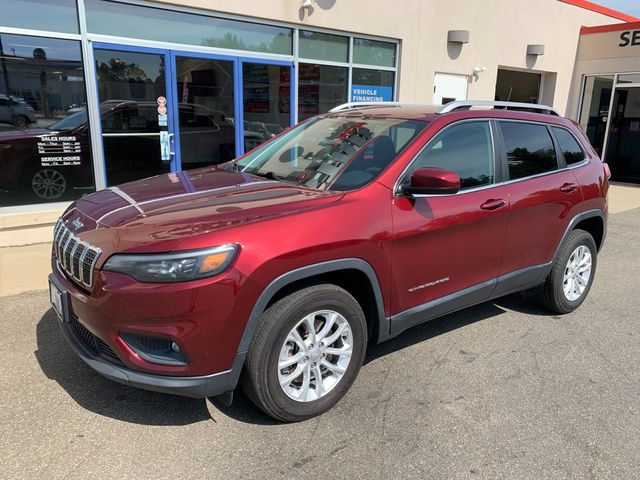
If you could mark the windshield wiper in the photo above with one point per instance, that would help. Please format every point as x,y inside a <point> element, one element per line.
<point>269,175</point>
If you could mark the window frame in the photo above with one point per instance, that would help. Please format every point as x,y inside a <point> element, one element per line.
<point>561,165</point>
<point>559,151</point>
<point>497,149</point>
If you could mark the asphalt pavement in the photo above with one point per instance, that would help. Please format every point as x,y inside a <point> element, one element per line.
<point>501,390</point>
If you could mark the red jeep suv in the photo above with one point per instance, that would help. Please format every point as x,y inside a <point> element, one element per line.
<point>276,269</point>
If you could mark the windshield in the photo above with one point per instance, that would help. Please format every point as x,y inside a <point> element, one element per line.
<point>71,122</point>
<point>335,152</point>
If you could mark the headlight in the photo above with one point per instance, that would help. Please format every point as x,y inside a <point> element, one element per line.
<point>173,267</point>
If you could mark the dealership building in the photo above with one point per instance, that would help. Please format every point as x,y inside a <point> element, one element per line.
<point>94,93</point>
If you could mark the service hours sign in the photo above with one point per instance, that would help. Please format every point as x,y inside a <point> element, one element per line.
<point>59,150</point>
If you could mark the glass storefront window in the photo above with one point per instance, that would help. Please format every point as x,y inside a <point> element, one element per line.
<point>45,148</point>
<point>53,15</point>
<point>594,112</point>
<point>374,52</point>
<point>323,46</point>
<point>112,18</point>
<point>371,85</point>
<point>629,78</point>
<point>267,102</point>
<point>320,88</point>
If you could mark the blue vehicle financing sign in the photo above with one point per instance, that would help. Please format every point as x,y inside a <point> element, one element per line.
<point>371,93</point>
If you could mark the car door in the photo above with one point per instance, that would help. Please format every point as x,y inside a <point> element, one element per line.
<point>544,197</point>
<point>447,248</point>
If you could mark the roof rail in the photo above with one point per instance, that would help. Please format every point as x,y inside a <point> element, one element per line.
<point>349,105</point>
<point>467,104</point>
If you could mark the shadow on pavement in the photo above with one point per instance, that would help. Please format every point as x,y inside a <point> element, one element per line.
<point>522,302</point>
<point>104,397</point>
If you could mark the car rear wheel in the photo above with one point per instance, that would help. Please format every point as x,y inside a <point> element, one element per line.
<point>307,353</point>
<point>572,273</point>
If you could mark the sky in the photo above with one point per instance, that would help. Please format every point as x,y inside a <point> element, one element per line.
<point>631,7</point>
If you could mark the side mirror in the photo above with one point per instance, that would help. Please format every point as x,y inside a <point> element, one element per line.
<point>432,181</point>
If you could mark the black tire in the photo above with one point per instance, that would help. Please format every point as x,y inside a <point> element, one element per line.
<point>20,121</point>
<point>552,295</point>
<point>260,377</point>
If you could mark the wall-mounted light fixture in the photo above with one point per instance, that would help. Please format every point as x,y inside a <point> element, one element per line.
<point>458,36</point>
<point>535,50</point>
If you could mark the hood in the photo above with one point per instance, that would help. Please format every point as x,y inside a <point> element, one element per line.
<point>13,135</point>
<point>156,213</point>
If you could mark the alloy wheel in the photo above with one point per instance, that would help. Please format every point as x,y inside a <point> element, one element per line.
<point>315,355</point>
<point>577,273</point>
<point>48,184</point>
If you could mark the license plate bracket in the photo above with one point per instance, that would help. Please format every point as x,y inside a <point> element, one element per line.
<point>58,298</point>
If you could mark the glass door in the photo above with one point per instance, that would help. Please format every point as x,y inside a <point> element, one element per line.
<point>206,109</point>
<point>164,111</point>
<point>623,145</point>
<point>136,112</point>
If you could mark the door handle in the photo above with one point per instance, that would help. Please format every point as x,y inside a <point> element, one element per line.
<point>568,187</point>
<point>493,204</point>
<point>171,141</point>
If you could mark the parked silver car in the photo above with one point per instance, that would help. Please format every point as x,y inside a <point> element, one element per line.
<point>16,112</point>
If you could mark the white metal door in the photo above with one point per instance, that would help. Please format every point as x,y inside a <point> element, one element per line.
<point>448,87</point>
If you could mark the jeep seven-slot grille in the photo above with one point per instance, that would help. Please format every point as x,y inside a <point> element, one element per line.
<point>75,257</point>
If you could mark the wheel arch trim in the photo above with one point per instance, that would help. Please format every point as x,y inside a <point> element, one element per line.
<point>595,213</point>
<point>307,272</point>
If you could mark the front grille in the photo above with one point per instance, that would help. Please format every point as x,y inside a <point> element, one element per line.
<point>94,344</point>
<point>76,257</point>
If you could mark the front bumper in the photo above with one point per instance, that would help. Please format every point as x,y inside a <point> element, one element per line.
<point>189,386</point>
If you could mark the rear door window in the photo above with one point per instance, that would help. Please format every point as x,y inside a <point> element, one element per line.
<point>529,148</point>
<point>569,146</point>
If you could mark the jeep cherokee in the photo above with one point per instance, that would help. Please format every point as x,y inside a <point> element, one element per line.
<point>276,269</point>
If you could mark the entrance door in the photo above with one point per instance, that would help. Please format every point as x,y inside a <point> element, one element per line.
<point>206,109</point>
<point>448,87</point>
<point>164,111</point>
<point>623,145</point>
<point>135,110</point>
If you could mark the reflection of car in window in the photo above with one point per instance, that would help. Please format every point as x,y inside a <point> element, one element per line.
<point>16,112</point>
<point>34,162</point>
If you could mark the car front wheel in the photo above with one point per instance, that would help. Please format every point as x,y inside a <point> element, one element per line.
<point>307,353</point>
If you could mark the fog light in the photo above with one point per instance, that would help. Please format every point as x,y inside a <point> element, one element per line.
<point>162,351</point>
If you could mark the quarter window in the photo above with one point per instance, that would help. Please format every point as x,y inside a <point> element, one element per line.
<point>465,149</point>
<point>569,146</point>
<point>529,149</point>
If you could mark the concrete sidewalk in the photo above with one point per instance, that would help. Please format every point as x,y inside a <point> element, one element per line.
<point>32,264</point>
